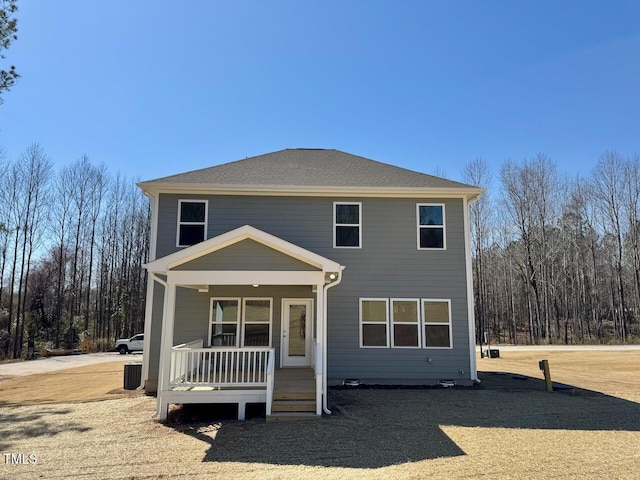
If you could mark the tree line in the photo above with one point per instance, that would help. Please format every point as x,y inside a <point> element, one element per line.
<point>556,258</point>
<point>72,245</point>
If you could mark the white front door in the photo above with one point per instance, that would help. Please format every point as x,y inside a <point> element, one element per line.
<point>297,321</point>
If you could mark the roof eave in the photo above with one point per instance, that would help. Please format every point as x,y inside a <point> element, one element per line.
<point>469,193</point>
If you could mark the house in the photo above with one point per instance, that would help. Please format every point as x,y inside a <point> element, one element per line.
<point>279,275</point>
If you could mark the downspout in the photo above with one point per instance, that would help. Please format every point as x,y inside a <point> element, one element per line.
<point>166,286</point>
<point>325,409</point>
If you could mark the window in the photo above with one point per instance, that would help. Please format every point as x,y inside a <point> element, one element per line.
<point>413,323</point>
<point>347,232</point>
<point>224,319</point>
<point>192,222</point>
<point>436,317</point>
<point>431,226</point>
<point>373,322</point>
<point>405,323</point>
<point>256,319</point>
<point>225,325</point>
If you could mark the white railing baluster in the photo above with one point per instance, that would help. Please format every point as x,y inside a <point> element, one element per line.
<point>219,367</point>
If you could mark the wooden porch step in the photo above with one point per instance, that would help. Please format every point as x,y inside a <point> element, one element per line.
<point>293,406</point>
<point>292,417</point>
<point>280,395</point>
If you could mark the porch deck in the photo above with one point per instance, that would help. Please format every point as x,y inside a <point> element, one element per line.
<point>286,380</point>
<point>239,375</point>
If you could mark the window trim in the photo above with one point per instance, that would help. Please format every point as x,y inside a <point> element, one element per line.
<point>359,225</point>
<point>443,226</point>
<point>244,321</point>
<point>179,223</point>
<point>238,317</point>
<point>424,322</point>
<point>418,322</point>
<point>361,322</point>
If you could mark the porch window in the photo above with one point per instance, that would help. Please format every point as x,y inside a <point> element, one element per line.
<point>436,316</point>
<point>192,222</point>
<point>374,319</point>
<point>431,226</point>
<point>405,323</point>
<point>224,321</point>
<point>347,221</point>
<point>256,319</point>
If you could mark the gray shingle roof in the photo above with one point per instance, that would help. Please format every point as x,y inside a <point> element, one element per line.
<point>304,167</point>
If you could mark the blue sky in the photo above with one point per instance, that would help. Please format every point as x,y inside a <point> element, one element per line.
<point>152,88</point>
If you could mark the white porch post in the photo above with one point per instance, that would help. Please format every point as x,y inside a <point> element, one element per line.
<point>148,317</point>
<point>320,319</point>
<point>166,342</point>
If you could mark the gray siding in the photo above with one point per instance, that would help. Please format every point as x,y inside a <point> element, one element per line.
<point>388,265</point>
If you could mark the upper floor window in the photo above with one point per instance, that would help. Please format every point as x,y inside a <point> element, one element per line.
<point>431,226</point>
<point>347,221</point>
<point>192,222</point>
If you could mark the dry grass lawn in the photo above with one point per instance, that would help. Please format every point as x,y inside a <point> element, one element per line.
<point>508,428</point>
<point>102,381</point>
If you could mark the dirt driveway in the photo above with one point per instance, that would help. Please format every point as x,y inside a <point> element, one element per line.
<point>512,429</point>
<point>100,377</point>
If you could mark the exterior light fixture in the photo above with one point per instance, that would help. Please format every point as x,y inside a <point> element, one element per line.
<point>332,276</point>
<point>255,285</point>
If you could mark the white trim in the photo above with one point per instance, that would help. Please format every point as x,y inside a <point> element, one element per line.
<point>179,223</point>
<point>361,323</point>
<point>244,319</point>
<point>309,340</point>
<point>310,191</point>
<point>471,320</point>
<point>244,277</point>
<point>148,310</point>
<point>443,226</point>
<point>417,323</point>
<point>336,225</point>
<point>166,342</point>
<point>232,237</point>
<point>214,299</point>
<point>424,322</point>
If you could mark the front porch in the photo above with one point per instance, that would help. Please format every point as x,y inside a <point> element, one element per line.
<point>258,303</point>
<point>241,375</point>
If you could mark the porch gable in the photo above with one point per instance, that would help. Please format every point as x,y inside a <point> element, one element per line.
<point>194,252</point>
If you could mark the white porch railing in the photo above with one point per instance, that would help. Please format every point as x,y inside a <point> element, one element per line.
<point>219,367</point>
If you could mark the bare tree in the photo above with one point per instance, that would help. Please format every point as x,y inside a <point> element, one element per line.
<point>477,173</point>
<point>35,168</point>
<point>608,185</point>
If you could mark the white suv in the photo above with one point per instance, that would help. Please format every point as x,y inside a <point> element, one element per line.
<point>128,345</point>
